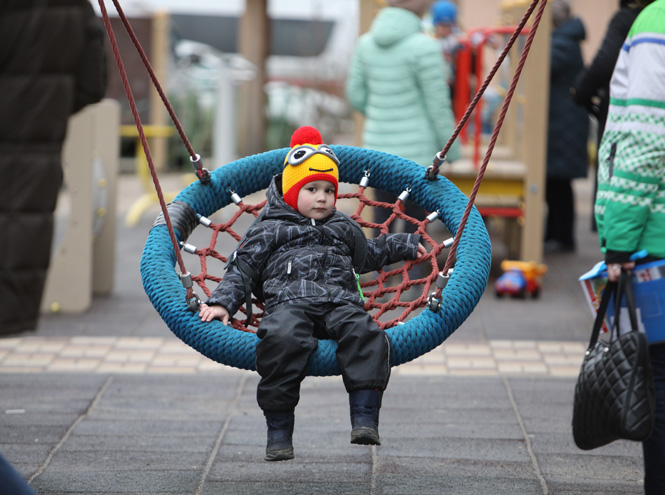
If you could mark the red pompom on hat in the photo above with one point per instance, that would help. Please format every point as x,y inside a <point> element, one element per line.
<point>306,135</point>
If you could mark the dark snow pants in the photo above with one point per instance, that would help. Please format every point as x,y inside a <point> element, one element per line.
<point>289,336</point>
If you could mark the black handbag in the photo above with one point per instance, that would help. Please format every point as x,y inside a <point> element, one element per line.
<point>614,395</point>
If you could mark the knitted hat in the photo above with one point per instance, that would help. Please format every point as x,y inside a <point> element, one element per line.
<point>444,12</point>
<point>308,160</point>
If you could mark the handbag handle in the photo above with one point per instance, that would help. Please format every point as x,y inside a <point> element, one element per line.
<point>610,288</point>
<point>625,289</point>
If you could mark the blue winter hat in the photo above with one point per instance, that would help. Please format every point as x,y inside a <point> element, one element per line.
<point>444,12</point>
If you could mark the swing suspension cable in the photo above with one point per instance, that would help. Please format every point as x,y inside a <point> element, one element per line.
<point>432,171</point>
<point>185,277</point>
<point>195,158</point>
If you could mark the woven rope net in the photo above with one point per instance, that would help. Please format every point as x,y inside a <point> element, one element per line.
<point>390,295</point>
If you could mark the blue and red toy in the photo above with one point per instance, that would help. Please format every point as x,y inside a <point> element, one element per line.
<point>519,279</point>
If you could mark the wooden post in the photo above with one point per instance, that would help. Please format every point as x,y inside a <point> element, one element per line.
<point>254,38</point>
<point>536,90</point>
<point>159,59</point>
<point>536,83</point>
<point>104,185</point>
<point>368,10</point>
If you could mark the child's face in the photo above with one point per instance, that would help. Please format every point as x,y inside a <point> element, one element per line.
<point>316,199</point>
<point>443,29</point>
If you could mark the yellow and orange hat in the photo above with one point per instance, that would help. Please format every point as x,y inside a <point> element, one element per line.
<point>308,160</point>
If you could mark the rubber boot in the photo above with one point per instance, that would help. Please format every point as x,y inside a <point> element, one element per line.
<point>280,435</point>
<point>365,405</point>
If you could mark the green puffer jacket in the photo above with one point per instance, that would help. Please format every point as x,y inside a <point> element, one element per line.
<point>397,81</point>
<point>630,206</point>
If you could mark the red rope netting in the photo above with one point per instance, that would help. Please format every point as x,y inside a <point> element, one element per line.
<point>390,297</point>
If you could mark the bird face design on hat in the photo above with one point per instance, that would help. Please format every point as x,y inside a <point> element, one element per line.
<point>308,160</point>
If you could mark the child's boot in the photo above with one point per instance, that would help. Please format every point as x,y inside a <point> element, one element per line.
<point>365,405</point>
<point>280,435</point>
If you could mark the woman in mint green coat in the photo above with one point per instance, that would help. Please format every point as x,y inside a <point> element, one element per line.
<point>397,80</point>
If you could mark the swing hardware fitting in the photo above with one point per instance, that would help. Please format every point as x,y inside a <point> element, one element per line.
<point>201,172</point>
<point>434,299</point>
<point>433,216</point>
<point>235,197</point>
<point>434,303</point>
<point>405,194</point>
<point>190,248</point>
<point>448,242</point>
<point>205,221</point>
<point>433,170</point>
<point>193,301</point>
<point>365,180</point>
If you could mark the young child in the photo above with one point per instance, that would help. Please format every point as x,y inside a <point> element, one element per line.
<point>303,248</point>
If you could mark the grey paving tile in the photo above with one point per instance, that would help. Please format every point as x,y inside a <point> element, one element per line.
<point>299,470</point>
<point>391,484</point>
<point>583,487</point>
<point>152,427</point>
<point>272,488</point>
<point>32,434</point>
<point>124,460</point>
<point>139,443</point>
<point>138,482</point>
<point>591,468</point>
<point>558,443</point>
<point>415,467</point>
<point>456,448</point>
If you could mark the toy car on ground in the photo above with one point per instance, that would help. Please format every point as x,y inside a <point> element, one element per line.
<point>520,278</point>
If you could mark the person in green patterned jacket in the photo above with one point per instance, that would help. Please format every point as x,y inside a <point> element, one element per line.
<point>630,206</point>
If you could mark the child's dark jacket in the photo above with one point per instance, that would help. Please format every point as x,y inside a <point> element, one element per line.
<point>300,258</point>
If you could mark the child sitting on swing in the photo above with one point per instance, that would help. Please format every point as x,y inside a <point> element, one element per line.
<point>303,249</point>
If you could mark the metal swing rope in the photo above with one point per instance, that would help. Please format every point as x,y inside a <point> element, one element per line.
<point>433,170</point>
<point>203,174</point>
<point>195,158</point>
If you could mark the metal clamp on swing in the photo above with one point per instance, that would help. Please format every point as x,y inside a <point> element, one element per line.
<point>235,197</point>
<point>201,172</point>
<point>433,216</point>
<point>365,180</point>
<point>203,220</point>
<point>190,248</point>
<point>405,194</point>
<point>433,170</point>
<point>434,299</point>
<point>193,302</point>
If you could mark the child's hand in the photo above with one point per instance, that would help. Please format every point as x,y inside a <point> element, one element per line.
<point>209,313</point>
<point>421,251</point>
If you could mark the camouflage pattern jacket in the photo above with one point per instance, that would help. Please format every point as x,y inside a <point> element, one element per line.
<point>299,258</point>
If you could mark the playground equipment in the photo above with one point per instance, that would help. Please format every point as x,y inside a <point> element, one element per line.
<point>513,187</point>
<point>84,255</point>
